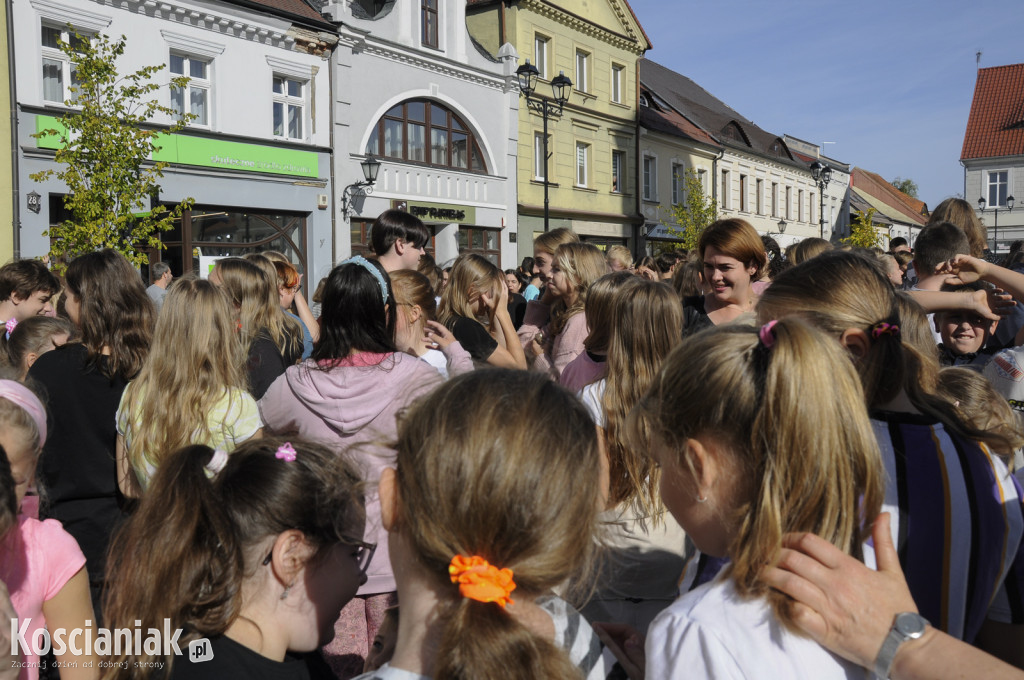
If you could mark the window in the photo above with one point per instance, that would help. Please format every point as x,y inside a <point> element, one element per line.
<point>540,55</point>
<point>484,242</point>
<point>759,199</point>
<point>582,164</point>
<point>702,177</point>
<point>538,156</point>
<point>678,183</point>
<point>650,178</point>
<point>800,206</point>
<point>789,202</point>
<point>582,65</point>
<point>813,205</point>
<point>428,23</point>
<point>618,172</point>
<point>289,103</point>
<point>743,193</point>
<point>997,188</point>
<point>58,70</point>
<point>423,131</point>
<point>725,190</point>
<point>194,98</point>
<point>775,199</point>
<point>617,83</point>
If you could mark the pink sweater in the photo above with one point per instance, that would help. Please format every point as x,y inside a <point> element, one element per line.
<point>558,350</point>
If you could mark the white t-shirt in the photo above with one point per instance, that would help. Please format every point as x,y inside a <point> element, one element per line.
<point>592,396</point>
<point>713,633</point>
<point>438,360</point>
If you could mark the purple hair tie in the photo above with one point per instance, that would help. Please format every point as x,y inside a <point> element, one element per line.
<point>286,452</point>
<point>10,326</point>
<point>884,328</point>
<point>767,335</point>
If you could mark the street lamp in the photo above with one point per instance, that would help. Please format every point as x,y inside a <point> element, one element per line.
<point>561,86</point>
<point>782,226</point>
<point>370,166</point>
<point>995,211</point>
<point>822,175</point>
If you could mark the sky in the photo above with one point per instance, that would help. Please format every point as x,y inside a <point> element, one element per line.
<point>890,82</point>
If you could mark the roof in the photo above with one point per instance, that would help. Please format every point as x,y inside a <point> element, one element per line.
<point>715,117</point>
<point>292,9</point>
<point>899,205</point>
<point>995,126</point>
<point>671,122</point>
<point>862,202</point>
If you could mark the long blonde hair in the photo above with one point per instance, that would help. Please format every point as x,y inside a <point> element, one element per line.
<point>600,308</point>
<point>252,288</point>
<point>472,480</point>
<point>195,361</point>
<point>472,275</point>
<point>582,264</point>
<point>791,419</point>
<point>648,325</point>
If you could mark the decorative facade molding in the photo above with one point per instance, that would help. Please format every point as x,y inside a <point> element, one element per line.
<point>289,68</point>
<point>631,43</point>
<point>64,14</point>
<point>192,44</point>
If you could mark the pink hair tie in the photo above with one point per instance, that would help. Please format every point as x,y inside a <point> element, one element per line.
<point>217,462</point>
<point>767,335</point>
<point>10,326</point>
<point>286,452</point>
<point>25,398</point>
<point>883,328</point>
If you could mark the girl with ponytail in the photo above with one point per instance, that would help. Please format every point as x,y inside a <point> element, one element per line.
<point>485,518</point>
<point>258,552</point>
<point>784,445</point>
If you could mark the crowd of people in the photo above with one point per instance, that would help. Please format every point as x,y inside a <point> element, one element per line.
<point>733,462</point>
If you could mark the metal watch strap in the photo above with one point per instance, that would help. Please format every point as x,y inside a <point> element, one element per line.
<point>893,641</point>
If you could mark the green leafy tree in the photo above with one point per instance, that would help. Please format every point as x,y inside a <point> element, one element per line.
<point>862,231</point>
<point>907,186</point>
<point>694,213</point>
<point>104,148</point>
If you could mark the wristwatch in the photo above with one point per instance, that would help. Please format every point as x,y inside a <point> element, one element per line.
<point>906,626</point>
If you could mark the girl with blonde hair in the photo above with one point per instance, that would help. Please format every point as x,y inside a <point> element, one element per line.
<point>289,289</point>
<point>553,336</point>
<point>765,455</point>
<point>485,519</point>
<point>166,407</point>
<point>476,290</point>
<point>273,341</point>
<point>416,331</point>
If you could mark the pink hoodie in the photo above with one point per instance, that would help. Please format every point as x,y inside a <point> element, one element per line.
<point>352,408</point>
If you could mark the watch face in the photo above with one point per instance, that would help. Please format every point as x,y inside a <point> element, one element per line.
<point>910,625</point>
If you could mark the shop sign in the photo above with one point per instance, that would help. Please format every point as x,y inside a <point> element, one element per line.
<point>438,212</point>
<point>184,149</point>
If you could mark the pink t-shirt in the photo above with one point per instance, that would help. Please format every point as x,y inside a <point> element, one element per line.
<point>36,560</point>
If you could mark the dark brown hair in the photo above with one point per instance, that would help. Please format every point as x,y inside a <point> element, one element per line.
<point>25,277</point>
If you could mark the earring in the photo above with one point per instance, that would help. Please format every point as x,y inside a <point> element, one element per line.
<point>287,589</point>
<point>702,499</point>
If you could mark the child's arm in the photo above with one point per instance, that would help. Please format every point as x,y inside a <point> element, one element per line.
<point>306,314</point>
<point>967,269</point>
<point>991,305</point>
<point>70,609</point>
<point>512,354</point>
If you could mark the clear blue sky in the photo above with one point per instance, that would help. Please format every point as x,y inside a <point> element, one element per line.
<point>889,81</point>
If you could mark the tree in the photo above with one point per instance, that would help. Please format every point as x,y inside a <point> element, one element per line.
<point>862,231</point>
<point>907,186</point>
<point>104,146</point>
<point>694,213</point>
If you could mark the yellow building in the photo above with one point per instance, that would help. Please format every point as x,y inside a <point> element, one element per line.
<point>6,169</point>
<point>593,142</point>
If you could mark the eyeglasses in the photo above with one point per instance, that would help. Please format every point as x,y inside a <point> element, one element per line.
<point>363,556</point>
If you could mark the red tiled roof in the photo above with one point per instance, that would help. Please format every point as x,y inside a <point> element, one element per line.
<point>673,123</point>
<point>996,124</point>
<point>294,8</point>
<point>874,185</point>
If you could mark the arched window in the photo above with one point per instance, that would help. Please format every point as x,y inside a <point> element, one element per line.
<point>423,131</point>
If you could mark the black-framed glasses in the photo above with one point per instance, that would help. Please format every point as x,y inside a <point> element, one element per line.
<point>363,556</point>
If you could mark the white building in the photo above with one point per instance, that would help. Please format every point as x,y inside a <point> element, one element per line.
<point>257,158</point>
<point>414,90</point>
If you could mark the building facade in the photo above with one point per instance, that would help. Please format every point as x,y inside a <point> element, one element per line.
<point>255,160</point>
<point>993,153</point>
<point>593,142</point>
<point>439,113</point>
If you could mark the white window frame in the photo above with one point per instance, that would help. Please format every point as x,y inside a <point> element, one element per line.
<point>649,170</point>
<point>702,176</point>
<point>582,83</point>
<point>53,14</point>
<point>744,198</point>
<point>811,206</point>
<point>55,54</point>
<point>195,83</point>
<point>583,164</point>
<point>789,203</point>
<point>800,205</point>
<point>990,185</point>
<point>287,101</point>
<point>616,84</point>
<point>618,172</point>
<point>186,45</point>
<point>541,45</point>
<point>759,201</point>
<point>538,156</point>
<point>775,199</point>
<point>726,182</point>
<point>678,183</point>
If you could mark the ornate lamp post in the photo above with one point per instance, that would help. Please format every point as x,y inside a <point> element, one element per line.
<point>995,211</point>
<point>370,166</point>
<point>822,175</point>
<point>561,86</point>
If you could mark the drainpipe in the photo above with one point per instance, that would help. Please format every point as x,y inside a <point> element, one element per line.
<point>15,177</point>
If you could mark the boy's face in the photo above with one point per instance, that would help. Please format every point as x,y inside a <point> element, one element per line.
<point>36,303</point>
<point>963,332</point>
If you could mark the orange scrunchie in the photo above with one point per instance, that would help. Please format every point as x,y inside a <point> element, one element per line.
<point>481,581</point>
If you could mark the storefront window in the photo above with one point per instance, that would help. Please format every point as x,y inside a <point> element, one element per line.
<point>484,242</point>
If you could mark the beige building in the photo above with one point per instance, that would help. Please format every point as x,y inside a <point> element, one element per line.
<point>593,142</point>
